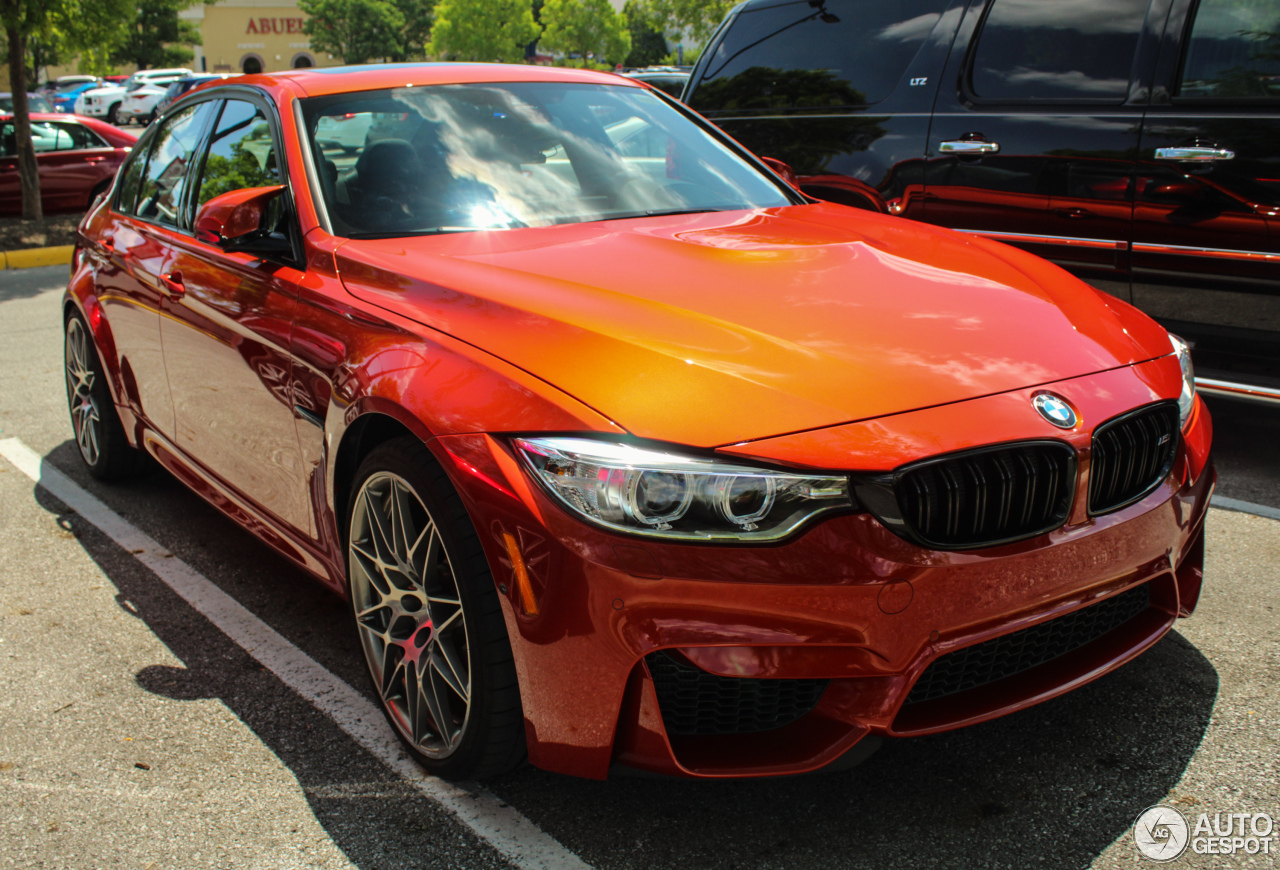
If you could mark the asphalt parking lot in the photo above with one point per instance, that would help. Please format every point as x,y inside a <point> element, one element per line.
<point>173,694</point>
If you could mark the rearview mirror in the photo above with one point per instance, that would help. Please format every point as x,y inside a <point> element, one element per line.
<point>235,215</point>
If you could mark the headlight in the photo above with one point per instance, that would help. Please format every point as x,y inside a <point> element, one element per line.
<point>667,495</point>
<point>1188,397</point>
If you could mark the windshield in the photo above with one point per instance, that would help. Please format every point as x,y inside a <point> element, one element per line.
<point>456,158</point>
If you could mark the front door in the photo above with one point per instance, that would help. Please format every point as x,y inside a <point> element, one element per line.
<point>1036,130</point>
<point>226,336</point>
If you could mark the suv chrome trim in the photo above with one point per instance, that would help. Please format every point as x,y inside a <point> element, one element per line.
<point>1069,241</point>
<point>1232,390</point>
<point>1217,253</point>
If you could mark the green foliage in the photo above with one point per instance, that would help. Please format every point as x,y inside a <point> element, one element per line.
<point>483,30</point>
<point>358,31</point>
<point>158,37</point>
<point>648,47</point>
<point>243,169</point>
<point>419,18</point>
<point>589,28</point>
<point>695,19</point>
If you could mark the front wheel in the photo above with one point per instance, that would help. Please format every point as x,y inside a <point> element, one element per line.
<point>99,435</point>
<point>113,115</point>
<point>429,619</point>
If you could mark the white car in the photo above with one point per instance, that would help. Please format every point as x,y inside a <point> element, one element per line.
<point>105,102</point>
<point>347,131</point>
<point>142,105</point>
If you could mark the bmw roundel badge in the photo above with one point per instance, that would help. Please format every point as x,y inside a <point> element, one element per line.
<point>1055,410</point>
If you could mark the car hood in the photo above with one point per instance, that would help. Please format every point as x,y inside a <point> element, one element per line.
<point>721,328</point>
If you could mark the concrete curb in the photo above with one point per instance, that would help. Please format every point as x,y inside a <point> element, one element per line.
<point>59,255</point>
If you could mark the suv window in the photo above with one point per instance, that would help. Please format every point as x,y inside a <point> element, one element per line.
<point>1035,50</point>
<point>164,179</point>
<point>241,152</point>
<point>1234,50</point>
<point>806,55</point>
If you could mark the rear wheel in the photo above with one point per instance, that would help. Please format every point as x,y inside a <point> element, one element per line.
<point>99,435</point>
<point>113,114</point>
<point>429,619</point>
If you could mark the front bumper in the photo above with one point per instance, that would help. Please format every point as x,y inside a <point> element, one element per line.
<point>845,601</point>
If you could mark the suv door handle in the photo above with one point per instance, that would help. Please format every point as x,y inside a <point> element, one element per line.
<point>98,158</point>
<point>1195,154</point>
<point>968,146</point>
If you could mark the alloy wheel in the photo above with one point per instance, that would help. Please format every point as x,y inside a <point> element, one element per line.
<point>86,418</point>
<point>409,615</point>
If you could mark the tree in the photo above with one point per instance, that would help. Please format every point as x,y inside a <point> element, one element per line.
<point>648,47</point>
<point>22,18</point>
<point>158,37</point>
<point>586,27</point>
<point>483,30</point>
<point>419,18</point>
<point>696,19</point>
<point>357,31</point>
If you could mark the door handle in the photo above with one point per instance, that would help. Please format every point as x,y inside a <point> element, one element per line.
<point>98,159</point>
<point>1195,154</point>
<point>969,146</point>
<point>173,285</point>
<point>1074,213</point>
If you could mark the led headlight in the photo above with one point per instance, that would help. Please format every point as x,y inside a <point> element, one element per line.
<point>1188,397</point>
<point>668,495</point>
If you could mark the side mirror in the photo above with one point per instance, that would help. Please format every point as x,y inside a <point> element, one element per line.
<point>784,171</point>
<point>235,215</point>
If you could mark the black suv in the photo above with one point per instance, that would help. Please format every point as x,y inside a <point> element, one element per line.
<point>1134,142</point>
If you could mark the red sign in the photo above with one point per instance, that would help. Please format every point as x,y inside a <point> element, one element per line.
<point>275,25</point>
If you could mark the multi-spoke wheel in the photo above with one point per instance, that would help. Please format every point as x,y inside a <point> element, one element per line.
<point>428,617</point>
<point>94,420</point>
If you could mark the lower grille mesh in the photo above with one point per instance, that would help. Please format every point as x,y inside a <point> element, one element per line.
<point>696,702</point>
<point>1011,654</point>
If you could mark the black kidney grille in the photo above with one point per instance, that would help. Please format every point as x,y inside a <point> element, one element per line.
<point>988,496</point>
<point>1131,455</point>
<point>696,702</point>
<point>1014,653</point>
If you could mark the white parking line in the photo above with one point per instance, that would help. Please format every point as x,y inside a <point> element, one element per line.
<point>519,840</point>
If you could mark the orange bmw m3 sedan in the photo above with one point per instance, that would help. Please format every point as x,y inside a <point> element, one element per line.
<point>627,454</point>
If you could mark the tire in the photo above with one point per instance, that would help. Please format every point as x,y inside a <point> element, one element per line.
<point>113,115</point>
<point>428,617</point>
<point>99,435</point>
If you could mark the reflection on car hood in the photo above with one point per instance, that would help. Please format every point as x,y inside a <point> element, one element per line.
<point>719,328</point>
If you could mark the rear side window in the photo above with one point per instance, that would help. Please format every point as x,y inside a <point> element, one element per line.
<point>1234,50</point>
<point>805,55</point>
<point>1037,50</point>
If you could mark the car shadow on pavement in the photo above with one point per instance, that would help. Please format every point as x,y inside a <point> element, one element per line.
<point>1052,786</point>
<point>375,818</point>
<point>28,283</point>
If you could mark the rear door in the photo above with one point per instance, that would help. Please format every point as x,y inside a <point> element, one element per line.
<point>1206,246</point>
<point>72,162</point>
<point>1035,136</point>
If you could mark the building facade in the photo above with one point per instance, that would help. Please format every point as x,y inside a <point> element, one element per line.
<point>249,36</point>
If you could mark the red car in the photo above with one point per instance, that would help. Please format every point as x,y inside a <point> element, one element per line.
<point>77,156</point>
<point>632,457</point>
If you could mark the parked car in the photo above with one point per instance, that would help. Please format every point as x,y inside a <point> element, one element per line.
<point>633,461</point>
<point>1138,153</point>
<point>35,103</point>
<point>666,79</point>
<point>105,102</point>
<point>142,104</point>
<point>77,157</point>
<point>64,98</point>
<point>178,87</point>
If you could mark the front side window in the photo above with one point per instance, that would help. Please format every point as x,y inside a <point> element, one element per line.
<point>1037,50</point>
<point>1234,50</point>
<point>455,158</point>
<point>803,55</point>
<point>241,153</point>
<point>164,180</point>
